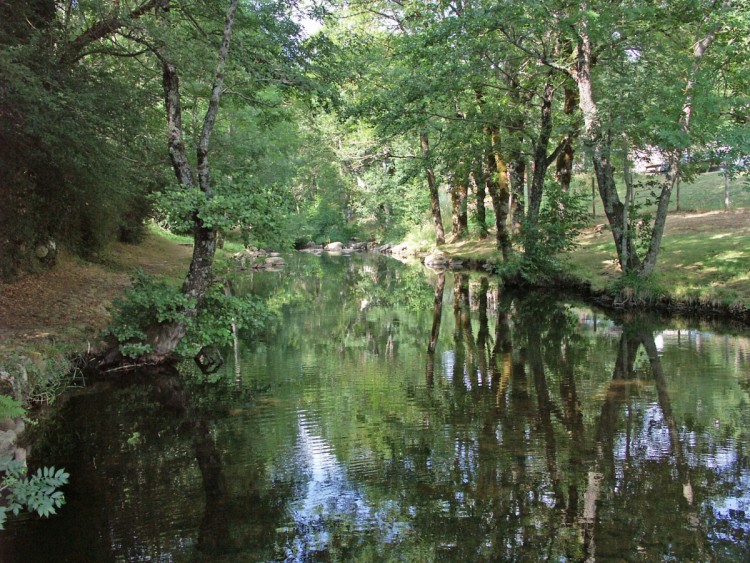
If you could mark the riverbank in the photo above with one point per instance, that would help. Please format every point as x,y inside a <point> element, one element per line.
<point>48,318</point>
<point>703,268</point>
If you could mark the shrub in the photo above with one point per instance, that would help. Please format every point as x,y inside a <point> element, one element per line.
<point>151,302</point>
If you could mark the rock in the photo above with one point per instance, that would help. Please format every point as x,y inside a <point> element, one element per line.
<point>269,263</point>
<point>400,249</point>
<point>334,246</point>
<point>41,251</point>
<point>8,440</point>
<point>274,262</point>
<point>436,260</point>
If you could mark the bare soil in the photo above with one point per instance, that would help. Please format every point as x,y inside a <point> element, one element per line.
<point>75,296</point>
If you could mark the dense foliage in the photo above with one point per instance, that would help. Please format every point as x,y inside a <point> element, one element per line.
<point>469,118</point>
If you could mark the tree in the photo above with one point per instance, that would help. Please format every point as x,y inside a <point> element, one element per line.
<point>164,338</point>
<point>632,44</point>
<point>79,153</point>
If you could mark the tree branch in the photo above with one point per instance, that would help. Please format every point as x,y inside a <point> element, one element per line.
<point>73,51</point>
<point>213,104</point>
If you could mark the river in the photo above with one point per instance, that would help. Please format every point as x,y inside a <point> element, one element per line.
<point>390,413</point>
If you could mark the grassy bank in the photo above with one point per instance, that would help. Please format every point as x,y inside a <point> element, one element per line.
<point>47,319</point>
<point>705,260</point>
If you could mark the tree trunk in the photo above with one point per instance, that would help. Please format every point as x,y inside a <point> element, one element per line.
<point>541,163</point>
<point>629,198</point>
<point>480,191</point>
<point>564,164</point>
<point>437,217</point>
<point>516,175</point>
<point>459,193</point>
<point>497,184</point>
<point>727,202</point>
<point>164,338</point>
<point>598,144</point>
<point>699,50</point>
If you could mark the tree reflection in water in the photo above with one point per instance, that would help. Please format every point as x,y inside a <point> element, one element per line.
<point>515,430</point>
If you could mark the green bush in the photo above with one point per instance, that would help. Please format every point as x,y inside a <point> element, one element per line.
<point>561,218</point>
<point>39,493</point>
<point>151,302</point>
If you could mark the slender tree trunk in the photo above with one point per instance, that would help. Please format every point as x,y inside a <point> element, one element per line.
<point>516,122</point>
<point>564,164</point>
<point>497,184</point>
<point>540,155</point>
<point>459,196</point>
<point>699,50</point>
<point>437,217</point>
<point>727,202</point>
<point>598,144</point>
<point>629,197</point>
<point>480,191</point>
<point>516,175</point>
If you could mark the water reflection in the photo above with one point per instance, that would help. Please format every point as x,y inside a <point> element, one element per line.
<point>417,417</point>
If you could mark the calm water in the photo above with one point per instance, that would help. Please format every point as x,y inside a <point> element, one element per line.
<point>393,414</point>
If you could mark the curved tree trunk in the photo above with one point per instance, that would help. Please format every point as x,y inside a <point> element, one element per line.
<point>699,50</point>
<point>164,338</point>
<point>541,164</point>
<point>598,144</point>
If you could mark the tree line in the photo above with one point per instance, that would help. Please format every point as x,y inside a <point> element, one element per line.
<point>224,117</point>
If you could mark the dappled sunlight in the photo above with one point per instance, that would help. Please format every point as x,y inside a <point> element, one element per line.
<point>734,255</point>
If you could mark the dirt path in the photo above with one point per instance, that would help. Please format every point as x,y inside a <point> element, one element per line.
<point>75,295</point>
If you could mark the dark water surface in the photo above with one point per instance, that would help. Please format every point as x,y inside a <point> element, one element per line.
<point>393,414</point>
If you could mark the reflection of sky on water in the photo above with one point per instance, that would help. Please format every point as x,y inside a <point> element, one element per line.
<point>651,441</point>
<point>328,497</point>
<point>735,510</point>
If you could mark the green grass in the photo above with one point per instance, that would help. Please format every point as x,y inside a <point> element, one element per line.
<point>704,193</point>
<point>705,254</point>
<point>704,257</point>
